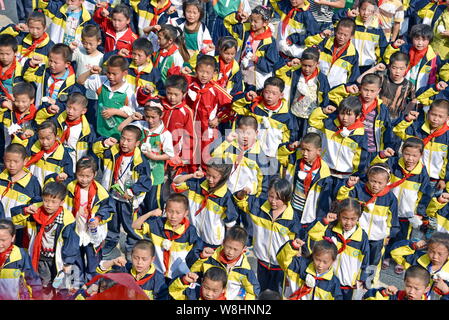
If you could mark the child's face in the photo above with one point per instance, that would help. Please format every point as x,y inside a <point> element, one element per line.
<point>347,118</point>
<point>437,117</point>
<point>174,95</point>
<point>297,3</point>
<point>228,55</point>
<point>415,288</point>
<point>397,70</point>
<point>119,22</point>
<point>128,141</point>
<point>322,261</point>
<point>232,248</point>
<point>74,4</point>
<point>308,67</point>
<point>139,57</point>
<point>420,43</point>
<point>36,28</point>
<point>205,73</point>
<point>46,138</point>
<point>75,111</point>
<point>213,177</point>
<point>369,92</point>
<point>7,56</point>
<point>274,200</point>
<point>22,103</point>
<point>14,162</point>
<point>348,219</point>
<point>176,212</point>
<point>141,260</point>
<point>51,204</point>
<point>377,181</point>
<point>57,64</point>
<point>164,43</point>
<point>411,157</point>
<point>366,11</point>
<point>272,95</point>
<point>246,136</point>
<point>192,14</point>
<point>85,177</point>
<point>6,240</point>
<point>212,289</point>
<point>115,75</point>
<point>309,152</point>
<point>90,44</point>
<point>438,254</point>
<point>257,22</point>
<point>152,118</point>
<point>343,35</point>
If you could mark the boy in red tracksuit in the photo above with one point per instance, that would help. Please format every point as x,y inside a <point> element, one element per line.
<point>118,36</point>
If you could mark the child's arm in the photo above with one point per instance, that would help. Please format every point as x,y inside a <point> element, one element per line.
<point>140,221</point>
<point>242,105</point>
<point>404,252</point>
<point>251,286</point>
<point>380,293</point>
<point>182,178</point>
<point>318,116</point>
<point>266,63</point>
<point>377,67</point>
<point>338,4</point>
<point>393,219</point>
<point>235,24</point>
<point>105,211</point>
<point>101,16</point>
<point>288,252</point>
<point>32,279</point>
<point>178,287</point>
<point>319,227</point>
<point>339,93</point>
<point>242,199</point>
<point>136,116</point>
<point>392,48</point>
<point>51,8</point>
<point>100,146</point>
<point>346,189</point>
<point>424,195</point>
<point>20,214</point>
<point>33,71</point>
<point>436,204</point>
<point>70,245</point>
<point>401,128</point>
<point>106,265</point>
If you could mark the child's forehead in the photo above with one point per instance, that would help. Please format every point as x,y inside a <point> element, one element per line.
<point>7,48</point>
<point>420,38</point>
<point>205,67</point>
<point>271,88</point>
<point>51,198</point>
<point>308,146</point>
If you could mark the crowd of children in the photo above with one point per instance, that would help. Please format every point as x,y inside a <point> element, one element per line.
<point>215,150</point>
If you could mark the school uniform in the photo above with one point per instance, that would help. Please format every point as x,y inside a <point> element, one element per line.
<point>9,78</point>
<point>242,281</point>
<point>230,77</point>
<point>380,294</point>
<point>165,59</point>
<point>439,212</point>
<point>10,119</point>
<point>140,77</point>
<point>198,41</point>
<point>298,269</point>
<point>429,12</point>
<point>146,13</point>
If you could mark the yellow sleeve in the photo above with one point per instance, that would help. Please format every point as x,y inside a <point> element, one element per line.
<point>42,115</point>
<point>400,129</point>
<point>313,40</point>
<point>399,254</point>
<point>20,219</point>
<point>425,97</point>
<point>239,106</point>
<point>144,231</point>
<point>283,155</point>
<point>274,4</point>
<point>134,4</point>
<point>389,50</point>
<point>198,266</point>
<point>229,21</point>
<point>10,30</point>
<point>177,288</point>
<point>443,74</point>
<point>219,151</point>
<point>316,119</point>
<point>378,159</point>
<point>98,148</point>
<point>337,94</point>
<point>316,233</point>
<point>433,207</point>
<point>242,204</point>
<point>343,192</point>
<point>285,255</point>
<point>30,75</point>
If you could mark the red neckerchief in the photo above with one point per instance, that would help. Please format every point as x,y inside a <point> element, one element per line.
<point>436,133</point>
<point>357,124</point>
<point>66,134</point>
<point>5,255</point>
<point>344,243</point>
<point>9,186</point>
<point>335,55</point>
<point>399,182</point>
<point>206,195</point>
<point>261,36</point>
<point>172,236</point>
<point>377,195</point>
<point>8,72</point>
<point>157,12</point>
<point>308,180</point>
<point>165,53</point>
<point>222,258</point>
<point>118,163</point>
<point>380,3</point>
<point>259,99</point>
<point>367,110</point>
<point>224,70</point>
<point>144,280</point>
<point>28,117</point>
<point>288,17</point>
<point>34,45</point>
<point>220,297</point>
<point>199,93</point>
<point>415,57</point>
<point>44,220</point>
<point>313,75</point>
<point>52,87</point>
<point>275,107</point>
<point>303,291</point>
<point>40,154</point>
<point>90,197</point>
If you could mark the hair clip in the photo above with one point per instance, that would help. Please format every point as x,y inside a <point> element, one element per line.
<point>328,239</point>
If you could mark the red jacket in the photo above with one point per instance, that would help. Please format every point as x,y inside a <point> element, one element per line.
<point>111,43</point>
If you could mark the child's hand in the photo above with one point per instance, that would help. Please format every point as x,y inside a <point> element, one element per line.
<point>95,70</point>
<point>156,28</point>
<point>353,89</point>
<point>214,123</point>
<point>380,67</point>
<point>441,185</point>
<point>251,95</point>
<point>210,47</point>
<point>207,252</point>
<point>94,223</point>
<point>123,52</point>
<point>398,43</point>
<point>149,89</point>
<point>294,145</point>
<point>198,174</point>
<point>331,216</point>
<point>150,155</point>
<point>66,269</point>
<point>298,243</point>
<point>171,10</point>
<point>7,104</point>
<point>30,209</point>
<point>352,181</point>
<point>119,261</point>
<point>35,61</point>
<point>108,113</point>
<point>232,136</point>
<point>104,13</point>
<point>73,45</point>
<point>444,198</point>
<point>61,177</point>
<point>155,213</point>
<point>326,33</point>
<point>102,5</point>
<point>421,244</point>
<point>353,13</point>
<point>329,109</point>
<point>445,33</point>
<point>137,116</point>
<point>242,193</point>
<point>190,277</point>
<point>440,284</point>
<point>53,109</point>
<point>242,16</point>
<point>412,116</point>
<point>391,290</point>
<point>109,142</point>
<point>27,134</point>
<point>388,152</point>
<point>186,70</point>
<point>441,86</point>
<point>294,62</point>
<point>22,27</point>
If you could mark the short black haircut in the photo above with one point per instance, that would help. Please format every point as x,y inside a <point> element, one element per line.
<point>226,43</point>
<point>77,98</point>
<point>90,31</point>
<point>379,168</point>
<point>276,82</point>
<point>48,124</point>
<point>418,272</point>
<point>371,78</point>
<point>54,190</point>
<point>421,30</point>
<point>86,162</point>
<point>134,129</point>
<point>237,233</point>
<point>265,11</point>
<point>282,187</point>
<point>177,81</point>
<point>217,274</point>
<point>312,138</point>
<point>413,142</point>
<point>249,121</point>
<point>350,104</point>
<point>439,238</point>
<point>144,45</point>
<point>373,2</point>
<point>349,204</point>
<point>440,103</point>
<point>37,15</point>
<point>145,245</point>
<point>24,88</point>
<point>17,149</point>
<point>62,49</point>
<point>123,9</point>
<point>178,197</point>
<point>7,40</point>
<point>399,56</point>
<point>118,61</point>
<point>325,246</point>
<point>196,3</point>
<point>207,60</point>
<point>311,54</point>
<point>268,294</point>
<point>346,23</point>
<point>6,224</point>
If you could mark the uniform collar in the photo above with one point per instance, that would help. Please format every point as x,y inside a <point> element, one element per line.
<point>327,276</point>
<point>58,154</point>
<point>286,215</point>
<point>85,127</point>
<point>147,69</point>
<point>179,230</point>
<point>149,272</point>
<point>23,181</point>
<point>220,192</point>
<point>416,170</point>
<point>256,149</point>
<point>356,236</point>
<point>137,158</point>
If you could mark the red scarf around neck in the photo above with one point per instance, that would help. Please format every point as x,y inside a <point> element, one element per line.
<point>367,109</point>
<point>308,180</point>
<point>344,243</point>
<point>303,291</point>
<point>312,76</point>
<point>206,195</point>
<point>157,12</point>
<point>261,36</point>
<point>225,261</point>
<point>41,153</point>
<point>377,195</point>
<point>439,132</point>
<point>118,163</point>
<point>34,45</point>
<point>287,18</point>
<point>165,53</point>
<point>66,134</point>
<point>30,116</point>
<point>8,72</point>
<point>415,57</point>
<point>357,124</point>
<point>144,280</point>
<point>222,296</point>
<point>224,70</point>
<point>336,55</point>
<point>90,198</point>
<point>43,220</point>
<point>172,236</point>
<point>5,255</point>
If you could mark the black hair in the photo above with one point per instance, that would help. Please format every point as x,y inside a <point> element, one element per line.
<point>349,204</point>
<point>399,56</point>
<point>134,129</point>
<point>118,61</point>
<point>312,138</point>
<point>195,3</point>
<point>6,224</point>
<point>90,31</point>
<point>249,121</point>
<point>149,107</point>
<point>373,2</point>
<point>207,60</point>
<point>123,9</point>
<point>413,142</point>
<point>237,233</point>
<point>217,274</point>
<point>274,81</point>
<point>54,190</point>
<point>439,238</point>
<point>227,42</point>
<point>7,40</point>
<point>346,23</point>
<point>48,124</point>
<point>265,11</point>
<point>37,16</point>
<point>268,294</point>
<point>379,168</point>
<point>175,34</point>
<point>282,187</point>
<point>143,44</point>
<point>418,272</point>
<point>77,98</point>
<point>62,49</point>
<point>311,54</point>
<point>23,88</point>
<point>17,149</point>
<point>86,162</point>
<point>325,246</point>
<point>421,30</point>
<point>440,103</point>
<point>178,197</point>
<point>350,104</point>
<point>224,167</point>
<point>371,78</point>
<point>177,81</point>
<point>144,245</point>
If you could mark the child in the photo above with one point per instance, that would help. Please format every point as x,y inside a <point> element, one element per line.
<point>174,237</point>
<point>259,50</point>
<point>339,60</point>
<point>211,206</point>
<point>440,40</point>
<point>229,74</point>
<point>118,33</point>
<point>434,132</point>
<point>116,98</point>
<point>277,124</point>
<point>438,210</point>
<point>126,175</point>
<point>15,267</point>
<point>310,175</point>
<point>32,38</point>
<point>242,282</point>
<point>344,138</point>
<point>416,287</point>
<point>409,253</point>
<point>54,81</point>
<point>306,87</point>
<point>141,268</point>
<point>411,185</point>
<point>391,15</point>
<point>213,286</point>
<point>68,19</point>
<point>310,279</point>
<point>53,243</point>
<point>49,160</point>
<point>17,185</point>
<point>150,15</point>
<point>344,230</point>
<point>380,210</point>
<point>10,68</point>
<point>89,203</point>
<point>274,223</point>
<point>425,64</point>
<point>74,131</point>
<point>296,21</point>
<point>172,51</point>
